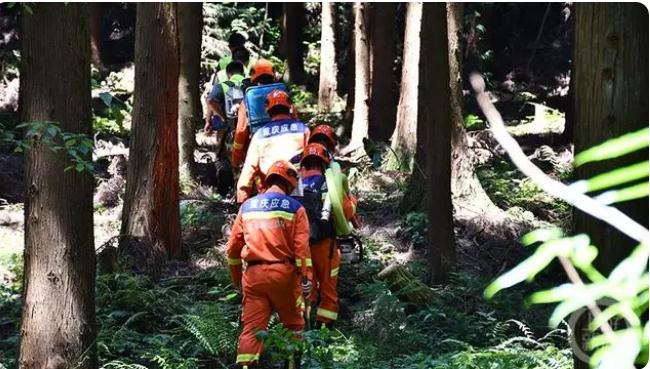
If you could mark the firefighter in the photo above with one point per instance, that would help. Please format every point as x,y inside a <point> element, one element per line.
<point>322,236</point>
<point>324,135</point>
<point>283,138</point>
<point>262,73</point>
<point>271,235</point>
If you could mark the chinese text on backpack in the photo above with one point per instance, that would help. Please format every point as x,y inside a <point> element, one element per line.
<point>255,100</point>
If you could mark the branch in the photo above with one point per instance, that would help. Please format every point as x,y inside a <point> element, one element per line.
<point>608,214</point>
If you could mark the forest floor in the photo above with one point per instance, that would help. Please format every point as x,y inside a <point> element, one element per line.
<point>189,316</point>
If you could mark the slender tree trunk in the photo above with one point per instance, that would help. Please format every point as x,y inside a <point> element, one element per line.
<point>96,34</point>
<point>292,24</point>
<point>328,69</point>
<point>381,58</point>
<point>361,78</point>
<point>404,137</point>
<point>190,24</point>
<point>611,99</point>
<point>58,317</point>
<point>348,115</point>
<point>151,213</point>
<point>434,74</point>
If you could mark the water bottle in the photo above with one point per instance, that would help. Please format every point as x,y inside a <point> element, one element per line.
<point>327,209</point>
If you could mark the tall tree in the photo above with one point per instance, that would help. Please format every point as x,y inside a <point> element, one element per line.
<point>435,120</point>
<point>190,24</point>
<point>293,18</point>
<point>58,317</point>
<point>470,199</point>
<point>611,98</point>
<point>151,213</point>
<point>381,58</point>
<point>404,136</point>
<point>328,68</point>
<point>361,78</point>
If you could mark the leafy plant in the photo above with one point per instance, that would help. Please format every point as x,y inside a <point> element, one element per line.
<point>626,286</point>
<point>78,146</point>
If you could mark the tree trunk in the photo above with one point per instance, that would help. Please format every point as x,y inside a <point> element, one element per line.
<point>58,317</point>
<point>381,58</point>
<point>96,36</point>
<point>350,68</point>
<point>292,23</point>
<point>434,74</point>
<point>190,22</point>
<point>404,137</point>
<point>611,99</point>
<point>151,213</point>
<point>361,78</point>
<point>328,69</point>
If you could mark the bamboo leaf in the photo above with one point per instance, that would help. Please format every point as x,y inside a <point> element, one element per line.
<point>614,178</point>
<point>614,148</point>
<point>637,191</point>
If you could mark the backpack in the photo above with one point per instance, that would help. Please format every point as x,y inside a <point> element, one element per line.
<point>255,100</point>
<point>233,96</point>
<point>312,201</point>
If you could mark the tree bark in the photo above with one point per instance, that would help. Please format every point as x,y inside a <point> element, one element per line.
<point>96,34</point>
<point>151,213</point>
<point>190,22</point>
<point>404,137</point>
<point>58,317</point>
<point>611,99</point>
<point>434,74</point>
<point>361,79</point>
<point>292,24</point>
<point>328,68</point>
<point>381,58</point>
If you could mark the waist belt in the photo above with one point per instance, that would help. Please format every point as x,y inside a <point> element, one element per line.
<point>265,262</point>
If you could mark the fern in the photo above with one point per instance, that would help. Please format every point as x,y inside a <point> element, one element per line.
<point>213,330</point>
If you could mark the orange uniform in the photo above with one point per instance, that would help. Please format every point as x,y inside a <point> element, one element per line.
<point>242,135</point>
<point>324,250</point>
<point>271,234</point>
<point>281,139</point>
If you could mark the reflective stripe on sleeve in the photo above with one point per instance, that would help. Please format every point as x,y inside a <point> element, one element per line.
<point>334,272</point>
<point>237,145</point>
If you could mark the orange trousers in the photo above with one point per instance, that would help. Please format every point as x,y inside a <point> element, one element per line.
<point>268,288</point>
<point>326,259</point>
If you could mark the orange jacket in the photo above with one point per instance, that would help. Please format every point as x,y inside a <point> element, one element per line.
<point>271,227</point>
<point>242,135</point>
<point>283,138</point>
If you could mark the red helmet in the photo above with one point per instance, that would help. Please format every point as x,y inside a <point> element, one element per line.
<point>326,132</point>
<point>284,170</point>
<point>260,68</point>
<point>315,150</point>
<point>277,98</point>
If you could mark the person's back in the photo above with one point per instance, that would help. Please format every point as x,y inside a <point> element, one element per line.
<point>271,235</point>
<point>284,138</point>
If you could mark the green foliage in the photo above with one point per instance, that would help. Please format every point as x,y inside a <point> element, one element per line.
<point>415,228</point>
<point>110,120</point>
<point>625,289</point>
<point>473,122</point>
<point>79,147</point>
<point>508,188</point>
